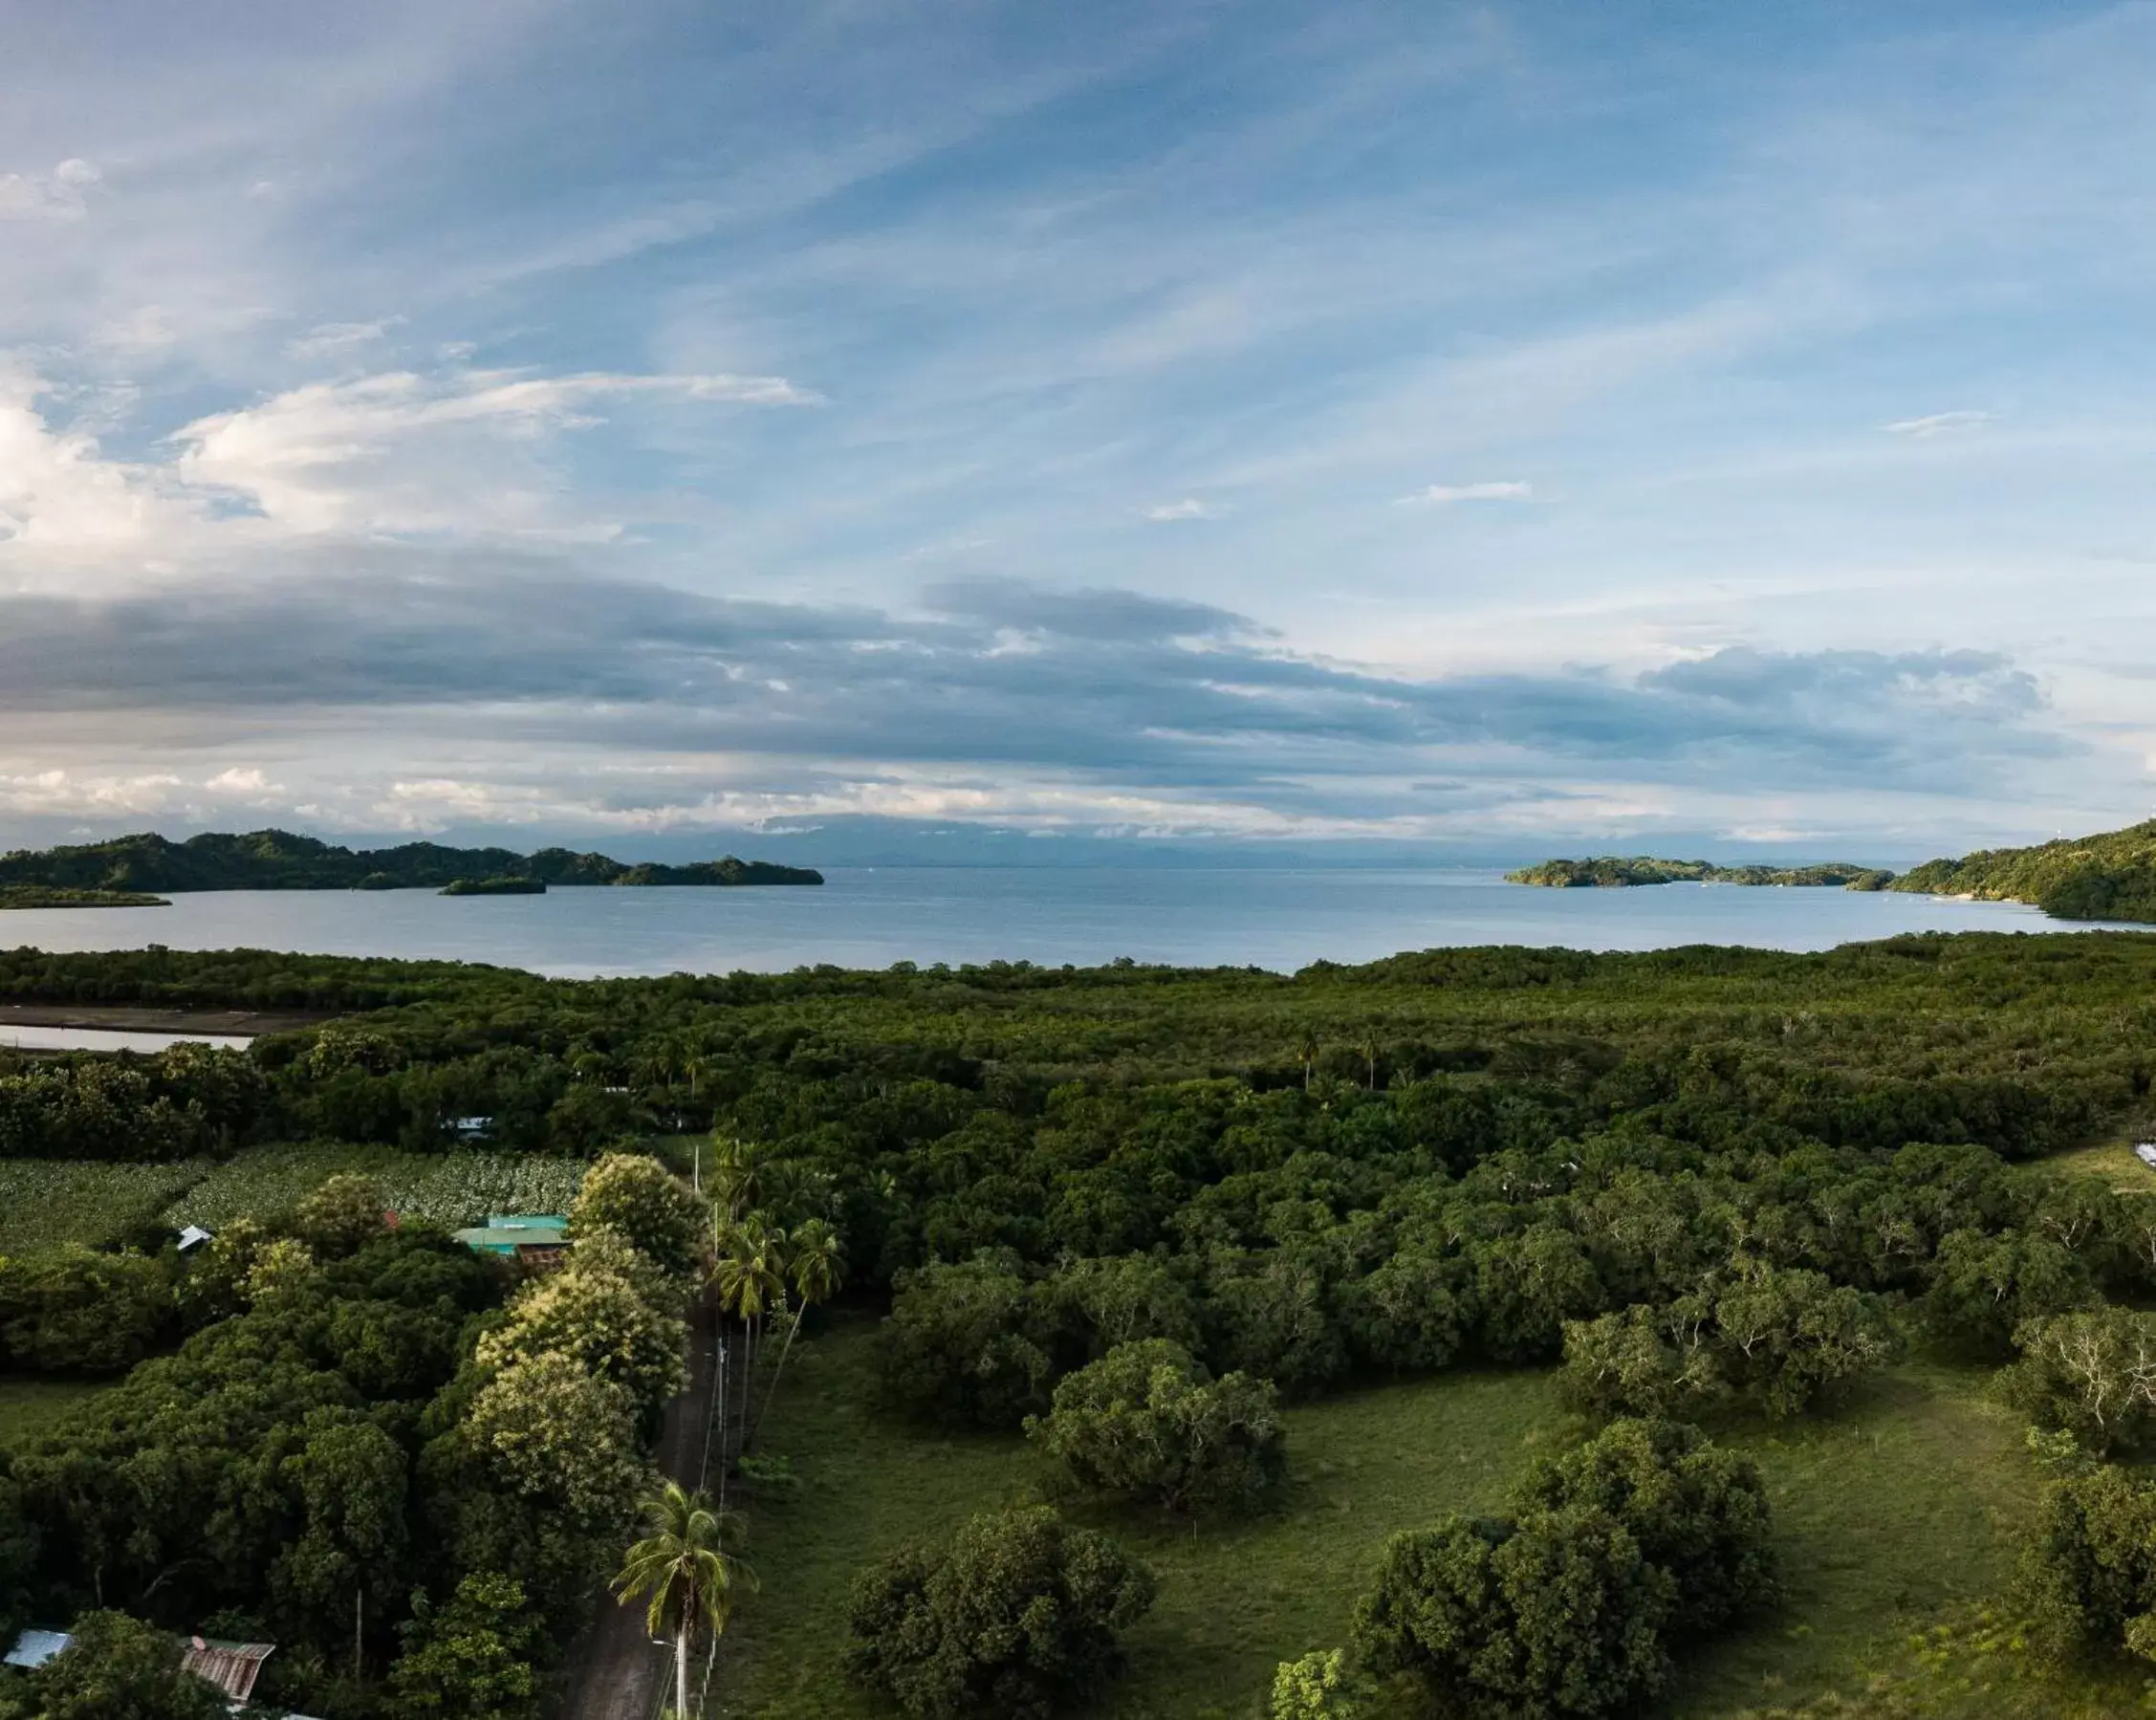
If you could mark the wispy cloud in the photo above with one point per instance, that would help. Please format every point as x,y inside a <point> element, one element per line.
<point>408,452</point>
<point>1443,495</point>
<point>1939,423</point>
<point>334,337</point>
<point>61,195</point>
<point>1067,277</point>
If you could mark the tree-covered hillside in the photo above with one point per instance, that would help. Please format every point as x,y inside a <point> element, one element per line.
<point>277,860</point>
<point>2108,876</point>
<point>1610,871</point>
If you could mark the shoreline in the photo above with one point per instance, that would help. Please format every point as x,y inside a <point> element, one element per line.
<point>148,1018</point>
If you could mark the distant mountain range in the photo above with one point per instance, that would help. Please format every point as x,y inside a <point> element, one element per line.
<point>277,860</point>
<point>2108,876</point>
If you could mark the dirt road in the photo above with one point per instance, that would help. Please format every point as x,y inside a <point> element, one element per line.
<point>616,1672</point>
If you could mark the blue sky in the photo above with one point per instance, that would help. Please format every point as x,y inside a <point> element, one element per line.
<point>1479,428</point>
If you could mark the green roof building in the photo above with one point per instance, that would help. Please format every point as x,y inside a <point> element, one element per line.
<point>521,1235</point>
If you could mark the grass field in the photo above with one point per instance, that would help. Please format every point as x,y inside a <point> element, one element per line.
<point>1895,1515</point>
<point>2113,1161</point>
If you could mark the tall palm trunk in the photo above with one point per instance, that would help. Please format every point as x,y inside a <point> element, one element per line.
<point>680,1667</point>
<point>771,1392</point>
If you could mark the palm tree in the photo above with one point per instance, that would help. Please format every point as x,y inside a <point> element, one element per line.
<point>1306,1048</point>
<point>818,1267</point>
<point>658,1064</point>
<point>1369,1049</point>
<point>733,1183</point>
<point>685,1567</point>
<point>748,1279</point>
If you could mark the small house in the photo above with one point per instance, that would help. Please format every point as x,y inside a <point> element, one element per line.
<point>471,1128</point>
<point>539,1238</point>
<point>192,1238</point>
<point>2146,1152</point>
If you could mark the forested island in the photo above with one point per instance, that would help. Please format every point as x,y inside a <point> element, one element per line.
<point>494,887</point>
<point>34,895</point>
<point>278,859</point>
<point>1612,872</point>
<point>2108,877</point>
<point>1544,1316</point>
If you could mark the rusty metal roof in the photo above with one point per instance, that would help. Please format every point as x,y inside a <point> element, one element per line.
<point>231,1667</point>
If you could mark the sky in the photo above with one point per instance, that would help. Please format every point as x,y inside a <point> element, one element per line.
<point>955,427</point>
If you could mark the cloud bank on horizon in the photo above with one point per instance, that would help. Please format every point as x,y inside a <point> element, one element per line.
<point>1451,426</point>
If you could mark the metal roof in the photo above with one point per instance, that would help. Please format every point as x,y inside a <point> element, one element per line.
<point>231,1667</point>
<point>506,1239</point>
<point>34,1648</point>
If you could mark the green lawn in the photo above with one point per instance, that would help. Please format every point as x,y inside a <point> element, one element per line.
<point>1897,1515</point>
<point>2113,1161</point>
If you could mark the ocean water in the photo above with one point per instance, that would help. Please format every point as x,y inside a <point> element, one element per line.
<point>872,917</point>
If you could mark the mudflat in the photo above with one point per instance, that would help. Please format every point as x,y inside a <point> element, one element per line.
<point>147,1018</point>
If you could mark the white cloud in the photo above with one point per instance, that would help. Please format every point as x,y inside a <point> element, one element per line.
<point>1939,423</point>
<point>57,489</point>
<point>240,782</point>
<point>331,338</point>
<point>1443,495</point>
<point>405,452</point>
<point>55,792</point>
<point>1189,508</point>
<point>60,195</point>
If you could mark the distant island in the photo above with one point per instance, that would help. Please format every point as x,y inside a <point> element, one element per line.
<point>277,860</point>
<point>1610,872</point>
<point>2108,877</point>
<point>494,887</point>
<point>37,895</point>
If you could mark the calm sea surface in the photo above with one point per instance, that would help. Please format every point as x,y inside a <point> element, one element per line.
<point>872,917</point>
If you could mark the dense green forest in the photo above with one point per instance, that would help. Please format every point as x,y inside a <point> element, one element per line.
<point>2108,876</point>
<point>277,860</point>
<point>34,895</point>
<point>1150,1230</point>
<point>1612,872</point>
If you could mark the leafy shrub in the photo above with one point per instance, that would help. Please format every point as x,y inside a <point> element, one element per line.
<point>1565,1607</point>
<point>1016,1617</point>
<point>341,1216</point>
<point>1149,1420</point>
<point>1558,1612</point>
<point>1317,1687</point>
<point>2090,1374</point>
<point>969,1342</point>
<point>641,1199</point>
<point>2088,1567</point>
<point>472,1657</point>
<point>1697,1510</point>
<point>74,1310</point>
<point>1772,1338</point>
